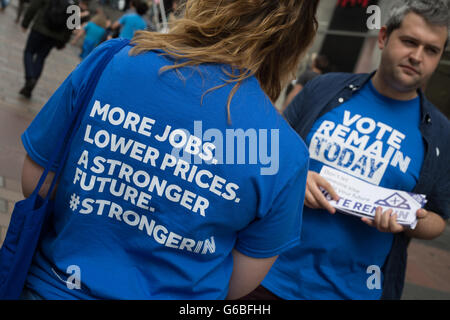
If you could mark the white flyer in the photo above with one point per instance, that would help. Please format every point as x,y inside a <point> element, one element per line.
<point>361,199</point>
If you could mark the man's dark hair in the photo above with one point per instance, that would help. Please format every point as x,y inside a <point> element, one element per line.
<point>322,63</point>
<point>435,12</point>
<point>141,7</point>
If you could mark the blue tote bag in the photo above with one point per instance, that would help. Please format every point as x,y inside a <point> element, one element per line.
<point>29,215</point>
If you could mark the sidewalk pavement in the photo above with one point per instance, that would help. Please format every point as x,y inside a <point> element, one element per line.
<point>428,272</point>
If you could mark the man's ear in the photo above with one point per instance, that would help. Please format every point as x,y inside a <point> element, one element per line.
<point>382,38</point>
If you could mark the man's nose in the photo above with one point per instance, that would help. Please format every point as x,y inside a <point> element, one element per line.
<point>416,55</point>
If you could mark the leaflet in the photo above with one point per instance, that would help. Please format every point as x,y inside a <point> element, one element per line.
<point>361,199</point>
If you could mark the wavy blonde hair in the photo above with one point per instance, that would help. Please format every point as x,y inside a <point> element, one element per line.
<point>264,38</point>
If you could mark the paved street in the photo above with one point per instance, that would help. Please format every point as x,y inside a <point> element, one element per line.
<point>428,274</point>
<point>16,112</point>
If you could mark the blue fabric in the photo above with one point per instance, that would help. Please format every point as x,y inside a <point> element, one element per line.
<point>131,22</point>
<point>20,243</point>
<point>376,139</point>
<point>323,94</point>
<point>158,233</point>
<point>94,34</point>
<point>27,294</point>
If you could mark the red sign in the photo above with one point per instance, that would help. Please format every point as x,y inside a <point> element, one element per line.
<point>344,3</point>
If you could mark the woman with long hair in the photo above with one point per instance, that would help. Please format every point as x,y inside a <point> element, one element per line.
<point>183,181</point>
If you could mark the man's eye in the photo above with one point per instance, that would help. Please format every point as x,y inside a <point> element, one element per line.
<point>409,42</point>
<point>432,51</point>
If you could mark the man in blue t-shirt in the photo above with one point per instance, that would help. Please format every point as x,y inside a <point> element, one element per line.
<point>132,21</point>
<point>379,132</point>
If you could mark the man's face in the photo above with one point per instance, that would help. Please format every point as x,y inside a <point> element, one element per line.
<point>411,53</point>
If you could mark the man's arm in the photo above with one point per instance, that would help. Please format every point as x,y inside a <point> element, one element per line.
<point>115,25</point>
<point>430,225</point>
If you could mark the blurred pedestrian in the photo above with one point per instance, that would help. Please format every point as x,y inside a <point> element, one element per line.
<point>133,21</point>
<point>319,65</point>
<point>21,9</point>
<point>93,31</point>
<point>3,5</point>
<point>85,12</point>
<point>48,31</point>
<point>145,227</point>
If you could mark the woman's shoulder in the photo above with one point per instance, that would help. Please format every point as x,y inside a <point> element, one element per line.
<point>255,110</point>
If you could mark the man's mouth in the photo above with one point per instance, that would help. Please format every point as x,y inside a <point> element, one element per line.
<point>410,68</point>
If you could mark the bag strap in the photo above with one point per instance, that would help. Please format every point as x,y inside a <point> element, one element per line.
<point>65,140</point>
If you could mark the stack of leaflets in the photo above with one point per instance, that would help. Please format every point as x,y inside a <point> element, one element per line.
<point>361,199</point>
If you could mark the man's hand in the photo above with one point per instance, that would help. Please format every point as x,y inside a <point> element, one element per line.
<point>387,222</point>
<point>314,198</point>
<point>84,13</point>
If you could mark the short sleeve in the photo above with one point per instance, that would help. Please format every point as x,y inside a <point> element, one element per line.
<point>280,228</point>
<point>40,137</point>
<point>123,19</point>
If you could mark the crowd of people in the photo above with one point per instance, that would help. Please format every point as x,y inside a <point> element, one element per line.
<point>95,27</point>
<point>259,236</point>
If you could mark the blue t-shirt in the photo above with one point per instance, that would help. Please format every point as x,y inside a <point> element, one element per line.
<point>376,139</point>
<point>94,33</point>
<point>131,22</point>
<point>159,187</point>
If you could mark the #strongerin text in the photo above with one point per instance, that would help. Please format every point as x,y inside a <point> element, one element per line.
<point>158,232</point>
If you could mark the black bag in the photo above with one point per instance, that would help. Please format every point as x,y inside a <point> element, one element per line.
<point>56,14</point>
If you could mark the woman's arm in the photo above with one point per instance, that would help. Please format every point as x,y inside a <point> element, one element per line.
<point>247,274</point>
<point>31,173</point>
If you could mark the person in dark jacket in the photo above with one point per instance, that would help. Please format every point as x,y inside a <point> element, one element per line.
<point>41,40</point>
<point>21,9</point>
